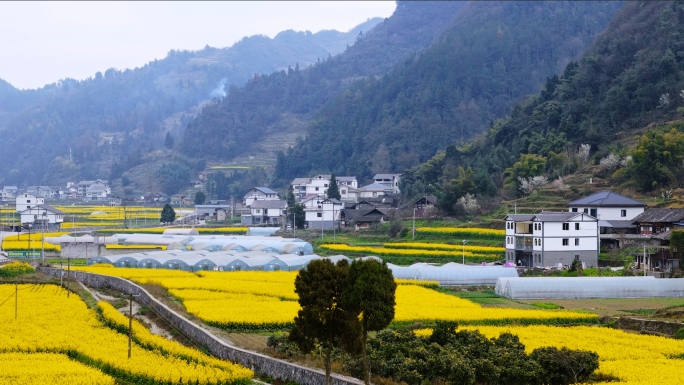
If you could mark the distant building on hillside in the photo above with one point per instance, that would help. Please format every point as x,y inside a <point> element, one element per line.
<point>260,193</point>
<point>390,181</point>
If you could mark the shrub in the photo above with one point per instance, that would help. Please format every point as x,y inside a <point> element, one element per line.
<point>16,268</point>
<point>565,366</point>
<point>680,334</point>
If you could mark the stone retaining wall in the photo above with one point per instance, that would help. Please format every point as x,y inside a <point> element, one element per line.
<point>648,326</point>
<point>259,363</point>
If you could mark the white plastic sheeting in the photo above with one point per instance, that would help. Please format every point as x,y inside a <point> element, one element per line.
<point>591,287</point>
<point>181,232</point>
<point>448,276</point>
<point>261,231</point>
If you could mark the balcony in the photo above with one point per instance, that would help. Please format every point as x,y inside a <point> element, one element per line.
<point>523,246</point>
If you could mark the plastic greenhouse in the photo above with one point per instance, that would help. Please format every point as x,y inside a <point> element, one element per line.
<point>261,231</point>
<point>99,260</point>
<point>336,258</point>
<point>248,263</point>
<point>467,275</point>
<point>591,287</point>
<point>181,232</point>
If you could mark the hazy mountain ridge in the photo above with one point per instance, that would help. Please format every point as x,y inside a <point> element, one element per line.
<point>237,125</point>
<point>116,114</point>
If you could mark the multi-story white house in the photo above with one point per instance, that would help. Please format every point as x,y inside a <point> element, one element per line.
<point>374,190</point>
<point>43,217</point>
<point>391,181</point>
<point>551,238</point>
<point>320,212</point>
<point>318,185</point>
<point>608,206</point>
<point>27,201</point>
<point>265,212</point>
<point>261,194</point>
<point>615,214</point>
<point>84,186</point>
<point>9,192</point>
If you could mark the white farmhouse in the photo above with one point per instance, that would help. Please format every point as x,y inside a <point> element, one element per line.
<point>608,206</point>
<point>391,181</point>
<point>374,190</point>
<point>42,216</point>
<point>26,201</point>
<point>551,238</point>
<point>318,185</point>
<point>260,193</point>
<point>322,212</point>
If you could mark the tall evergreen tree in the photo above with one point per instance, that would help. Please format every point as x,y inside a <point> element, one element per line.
<point>333,189</point>
<point>168,142</point>
<point>168,214</point>
<point>200,197</point>
<point>323,318</point>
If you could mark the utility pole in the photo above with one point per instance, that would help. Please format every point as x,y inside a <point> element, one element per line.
<point>413,232</point>
<point>42,240</point>
<point>16,300</point>
<point>69,273</point>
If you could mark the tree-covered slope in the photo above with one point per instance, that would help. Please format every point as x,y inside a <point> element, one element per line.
<point>630,78</point>
<point>236,124</point>
<point>116,113</point>
<point>493,55</point>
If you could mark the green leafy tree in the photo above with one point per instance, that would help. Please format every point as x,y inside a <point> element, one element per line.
<point>371,295</point>
<point>323,318</point>
<point>658,157</point>
<point>528,165</point>
<point>333,189</point>
<point>168,214</point>
<point>295,209</point>
<point>200,197</point>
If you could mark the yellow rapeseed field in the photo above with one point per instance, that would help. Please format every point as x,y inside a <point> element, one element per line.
<point>473,232</point>
<point>445,246</point>
<point>633,358</point>
<point>255,299</point>
<point>418,253</point>
<point>49,322</point>
<point>48,368</point>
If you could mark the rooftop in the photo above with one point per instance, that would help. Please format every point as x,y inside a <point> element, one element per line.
<point>607,199</point>
<point>661,215</point>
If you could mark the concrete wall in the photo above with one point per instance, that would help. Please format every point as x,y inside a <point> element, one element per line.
<point>259,363</point>
<point>552,258</point>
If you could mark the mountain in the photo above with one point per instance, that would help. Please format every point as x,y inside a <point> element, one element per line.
<point>615,114</point>
<point>492,56</point>
<point>78,129</point>
<point>271,111</point>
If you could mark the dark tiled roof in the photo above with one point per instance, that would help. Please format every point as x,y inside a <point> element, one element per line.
<point>556,216</point>
<point>519,217</point>
<point>607,199</point>
<point>661,215</point>
<point>265,190</point>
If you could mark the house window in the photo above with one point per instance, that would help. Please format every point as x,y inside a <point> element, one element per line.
<point>566,226</point>
<point>325,185</point>
<point>576,241</point>
<point>344,191</point>
<point>623,213</point>
<point>594,213</point>
<point>576,226</point>
<point>586,211</point>
<point>566,241</point>
<point>319,215</point>
<point>375,194</point>
<point>28,201</point>
<point>574,209</point>
<point>258,211</point>
<point>316,188</point>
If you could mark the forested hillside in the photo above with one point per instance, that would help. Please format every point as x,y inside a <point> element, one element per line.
<point>77,129</point>
<point>286,100</point>
<point>493,55</point>
<point>591,118</point>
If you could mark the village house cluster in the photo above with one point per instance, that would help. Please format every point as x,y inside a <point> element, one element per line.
<point>358,207</point>
<point>602,221</point>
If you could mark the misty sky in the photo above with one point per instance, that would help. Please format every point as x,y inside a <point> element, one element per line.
<point>43,42</point>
